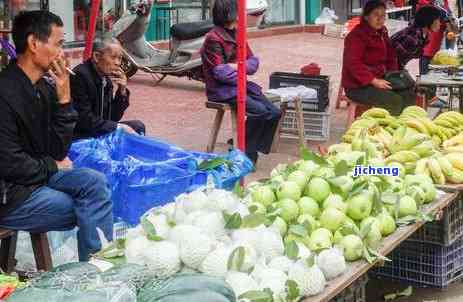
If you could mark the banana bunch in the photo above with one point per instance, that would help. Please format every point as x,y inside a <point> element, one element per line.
<point>449,123</point>
<point>408,139</point>
<point>454,144</point>
<point>442,168</point>
<point>362,142</point>
<point>383,117</point>
<point>416,118</point>
<point>357,126</point>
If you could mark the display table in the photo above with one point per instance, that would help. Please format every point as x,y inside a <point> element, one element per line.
<point>356,269</point>
<point>440,78</point>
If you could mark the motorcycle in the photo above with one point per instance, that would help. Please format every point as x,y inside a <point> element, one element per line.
<point>183,58</point>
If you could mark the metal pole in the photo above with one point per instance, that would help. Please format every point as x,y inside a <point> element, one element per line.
<point>91,28</point>
<point>241,99</point>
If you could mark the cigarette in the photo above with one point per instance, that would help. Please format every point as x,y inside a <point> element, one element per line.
<point>70,71</point>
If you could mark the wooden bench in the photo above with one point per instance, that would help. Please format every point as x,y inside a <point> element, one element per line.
<point>220,108</point>
<point>40,247</point>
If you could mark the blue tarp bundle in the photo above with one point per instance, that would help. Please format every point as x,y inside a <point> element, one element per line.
<point>144,172</point>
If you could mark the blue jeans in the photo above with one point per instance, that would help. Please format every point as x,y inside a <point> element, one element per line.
<point>76,197</point>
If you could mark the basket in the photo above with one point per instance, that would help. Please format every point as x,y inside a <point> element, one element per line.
<point>423,264</point>
<point>320,83</point>
<point>316,124</point>
<point>334,31</point>
<point>447,230</point>
<point>356,292</point>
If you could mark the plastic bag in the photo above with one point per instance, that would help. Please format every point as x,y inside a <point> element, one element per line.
<point>327,16</point>
<point>187,287</point>
<point>144,173</point>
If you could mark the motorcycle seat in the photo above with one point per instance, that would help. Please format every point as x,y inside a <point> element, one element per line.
<point>191,30</point>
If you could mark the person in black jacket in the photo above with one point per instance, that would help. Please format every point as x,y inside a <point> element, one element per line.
<point>92,89</point>
<point>39,189</point>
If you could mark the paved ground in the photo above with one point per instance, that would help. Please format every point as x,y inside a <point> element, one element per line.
<point>174,111</point>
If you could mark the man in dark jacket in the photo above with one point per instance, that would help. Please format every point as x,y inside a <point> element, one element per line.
<point>39,189</point>
<point>92,88</point>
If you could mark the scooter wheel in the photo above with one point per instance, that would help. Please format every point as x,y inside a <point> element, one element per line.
<point>128,67</point>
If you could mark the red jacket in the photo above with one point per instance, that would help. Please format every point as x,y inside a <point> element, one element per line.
<point>368,54</point>
<point>435,38</point>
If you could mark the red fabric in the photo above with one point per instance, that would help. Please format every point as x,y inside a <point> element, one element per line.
<point>368,54</point>
<point>399,3</point>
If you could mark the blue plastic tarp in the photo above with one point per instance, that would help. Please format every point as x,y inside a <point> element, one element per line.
<point>145,172</point>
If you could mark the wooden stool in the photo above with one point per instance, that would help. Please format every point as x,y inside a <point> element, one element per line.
<point>40,247</point>
<point>221,109</point>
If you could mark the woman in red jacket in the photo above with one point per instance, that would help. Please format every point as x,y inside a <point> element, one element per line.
<point>368,56</point>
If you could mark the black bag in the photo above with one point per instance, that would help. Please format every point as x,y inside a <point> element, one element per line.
<point>400,80</point>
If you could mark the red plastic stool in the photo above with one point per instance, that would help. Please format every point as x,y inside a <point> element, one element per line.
<point>354,110</point>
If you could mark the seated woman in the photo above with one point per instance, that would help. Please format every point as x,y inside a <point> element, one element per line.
<point>220,72</point>
<point>368,56</point>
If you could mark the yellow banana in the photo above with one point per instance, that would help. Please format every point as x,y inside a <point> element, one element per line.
<point>445,166</point>
<point>421,166</point>
<point>376,113</point>
<point>425,149</point>
<point>456,115</point>
<point>457,177</point>
<point>357,143</point>
<point>347,138</point>
<point>418,125</point>
<point>454,141</point>
<point>403,157</point>
<point>436,141</point>
<point>416,110</point>
<point>399,134</point>
<point>426,171</point>
<point>436,171</point>
<point>408,142</point>
<point>443,123</point>
<point>430,126</point>
<point>410,167</point>
<point>456,159</point>
<point>390,130</point>
<point>452,149</point>
<point>449,118</point>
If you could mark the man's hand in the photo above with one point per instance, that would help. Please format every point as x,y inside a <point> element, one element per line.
<point>61,76</point>
<point>126,128</point>
<point>233,65</point>
<point>381,84</point>
<point>118,78</point>
<point>64,164</point>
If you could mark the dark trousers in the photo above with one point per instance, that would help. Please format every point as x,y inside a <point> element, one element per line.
<point>136,125</point>
<point>424,65</point>
<point>262,119</point>
<point>392,101</point>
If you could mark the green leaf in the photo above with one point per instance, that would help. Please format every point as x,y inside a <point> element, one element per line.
<point>366,254</point>
<point>389,198</point>
<point>233,222</point>
<point>236,259</point>
<point>253,220</point>
<point>409,219</point>
<point>308,227</point>
<point>342,168</point>
<point>211,164</point>
<point>238,190</point>
<point>364,232</point>
<point>310,261</point>
<point>405,293</point>
<point>378,255</point>
<point>293,290</point>
<point>358,188</point>
<point>425,217</point>
<point>306,154</point>
<point>257,296</point>
<point>335,189</point>
<point>252,209</point>
<point>292,250</point>
<point>390,297</point>
<point>298,230</point>
<point>149,229</point>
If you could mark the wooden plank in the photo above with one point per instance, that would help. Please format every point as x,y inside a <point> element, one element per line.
<point>356,269</point>
<point>451,188</point>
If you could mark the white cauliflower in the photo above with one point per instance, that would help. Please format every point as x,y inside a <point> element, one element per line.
<point>281,263</point>
<point>194,250</point>
<point>168,209</point>
<point>191,217</point>
<point>275,280</point>
<point>221,200</point>
<point>216,263</point>
<point>304,252</point>
<point>212,224</point>
<point>270,244</point>
<point>160,224</point>
<point>182,232</point>
<point>310,281</point>
<point>250,257</point>
<point>162,257</point>
<point>136,245</point>
<point>331,262</point>
<point>241,282</point>
<point>247,236</point>
<point>194,201</point>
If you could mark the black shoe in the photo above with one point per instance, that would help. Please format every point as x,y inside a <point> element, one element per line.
<point>230,145</point>
<point>253,156</point>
